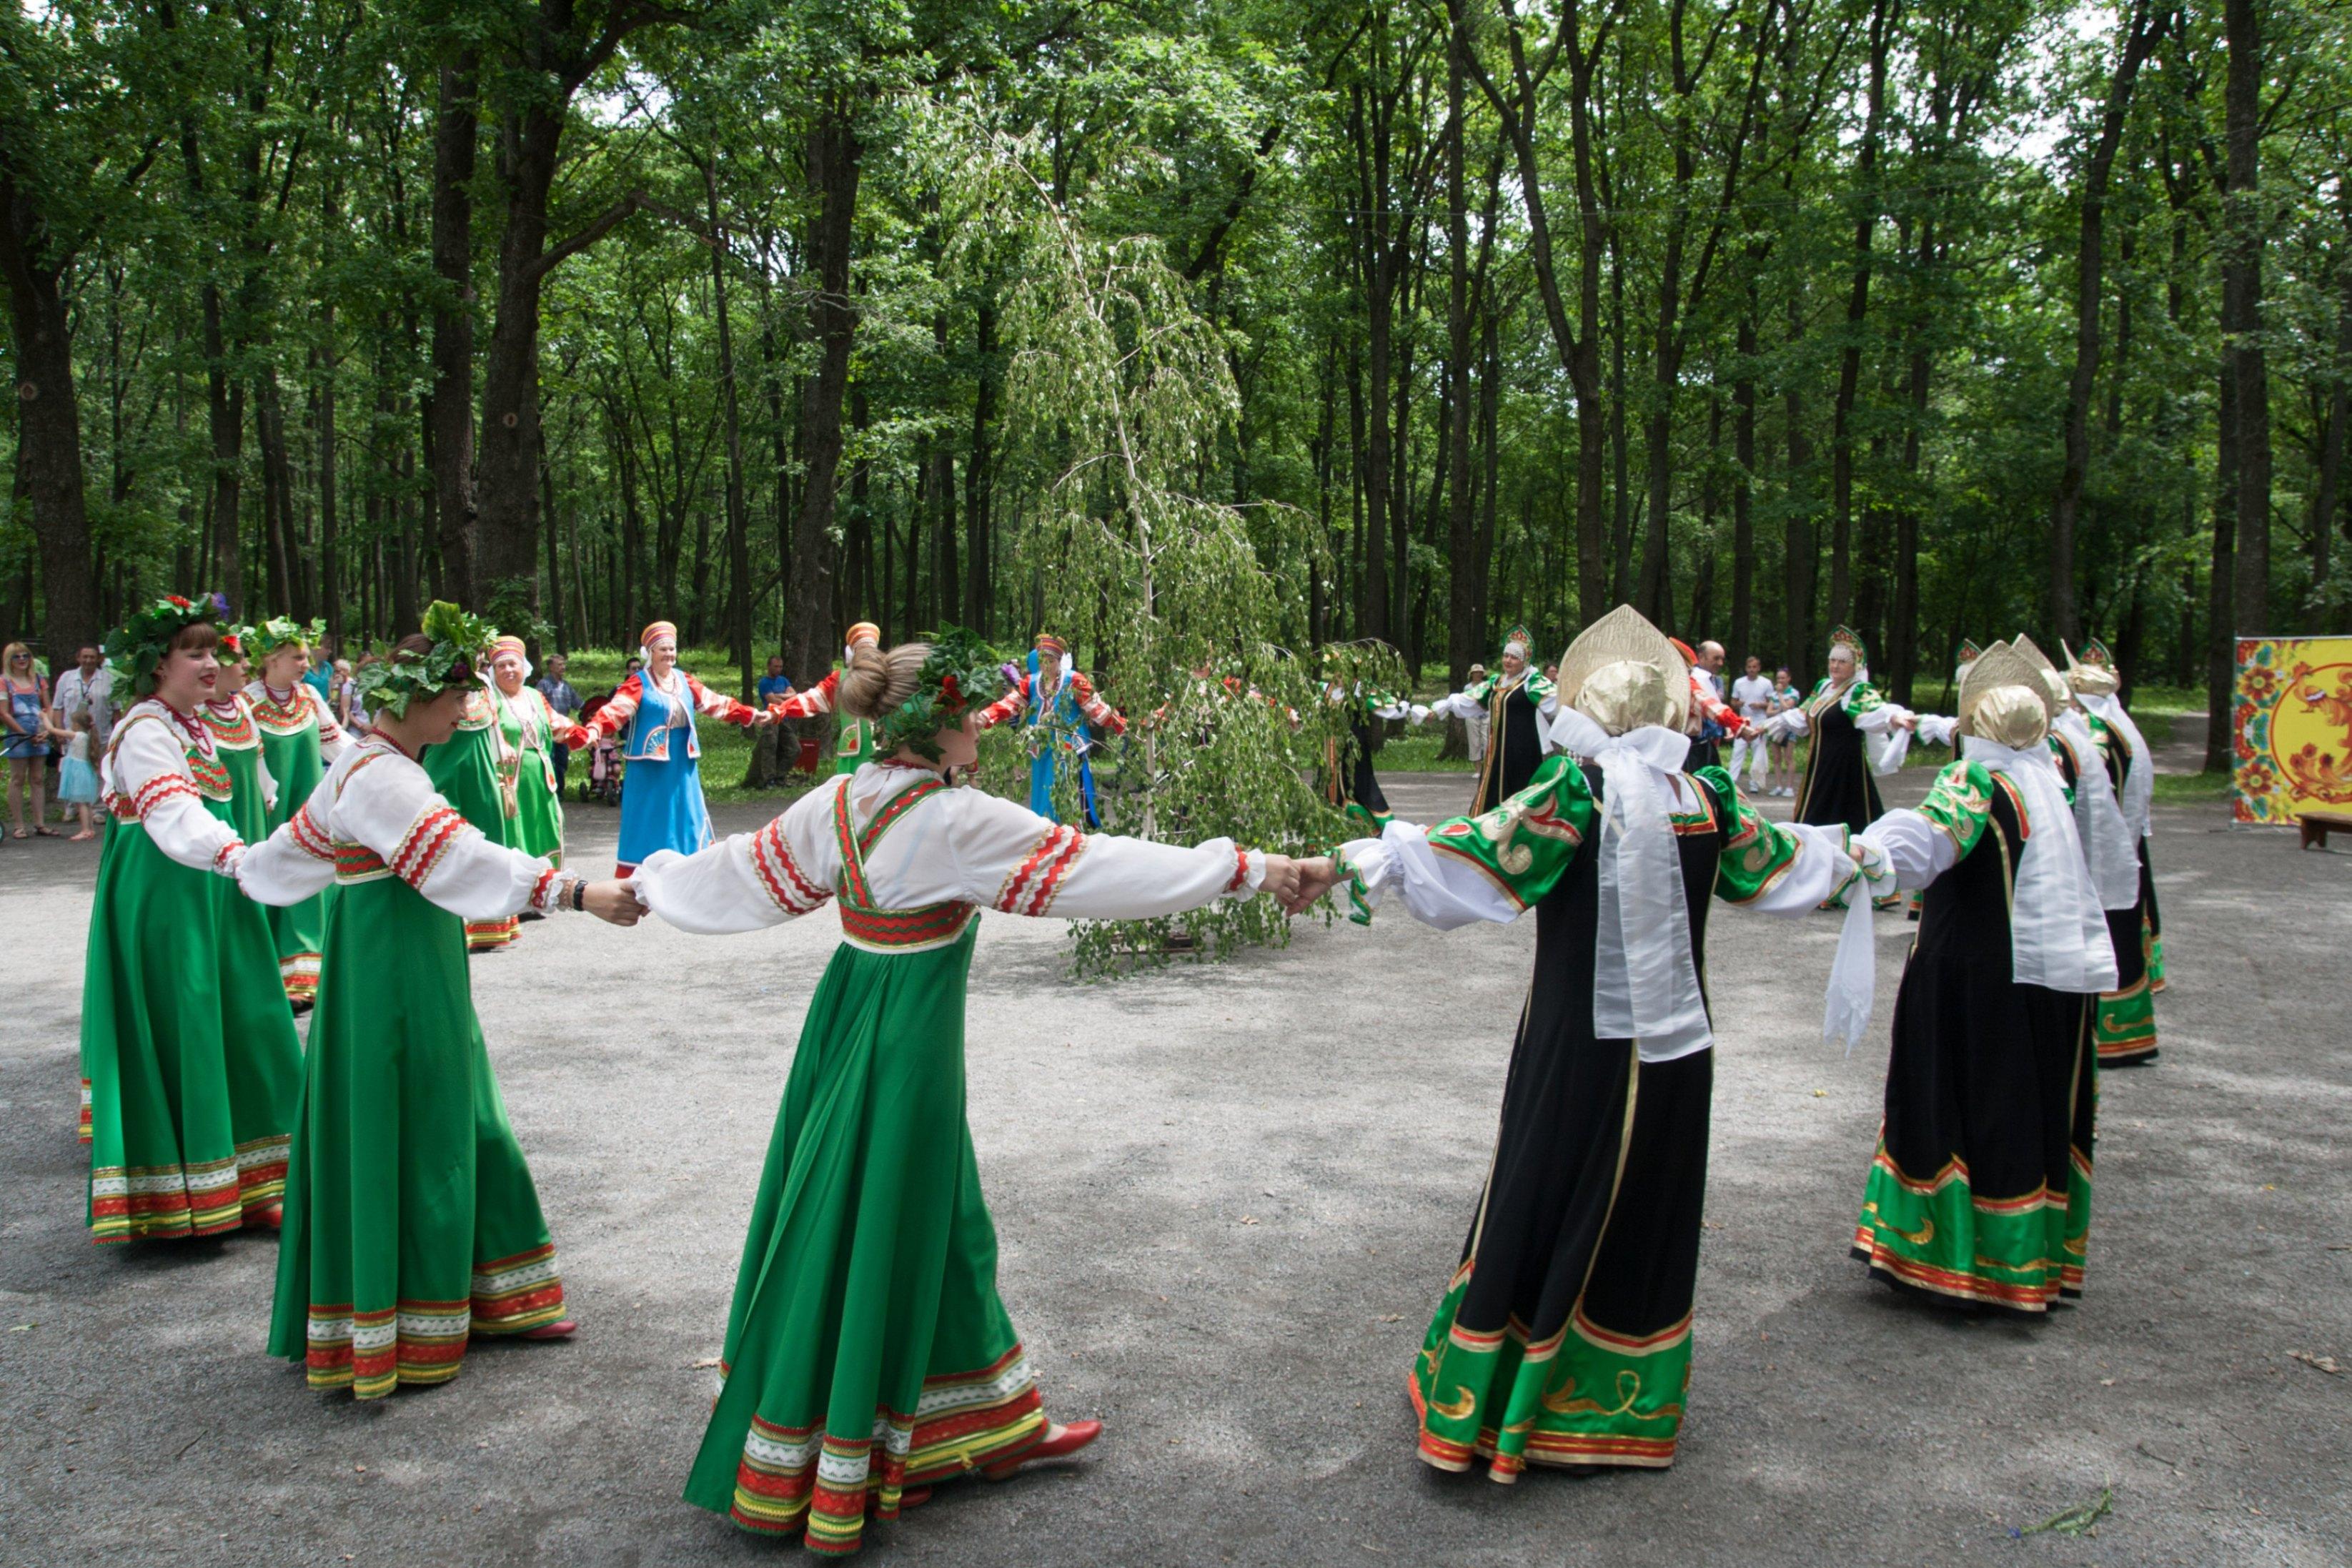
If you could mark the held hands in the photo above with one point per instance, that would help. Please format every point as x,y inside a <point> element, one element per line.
<point>1316,878</point>
<point>1280,883</point>
<point>614,902</point>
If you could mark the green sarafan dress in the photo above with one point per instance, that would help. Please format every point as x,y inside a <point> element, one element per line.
<point>237,738</point>
<point>867,1350</point>
<point>539,809</point>
<point>412,1222</point>
<point>1979,1189</point>
<point>1563,1336</point>
<point>190,1062</point>
<point>476,770</point>
<point>298,739</point>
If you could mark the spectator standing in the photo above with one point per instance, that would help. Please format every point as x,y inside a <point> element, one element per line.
<point>77,779</point>
<point>25,739</point>
<point>320,676</point>
<point>1752,695</point>
<point>769,745</point>
<point>564,703</point>
<point>1475,724</point>
<point>1783,759</point>
<point>89,684</point>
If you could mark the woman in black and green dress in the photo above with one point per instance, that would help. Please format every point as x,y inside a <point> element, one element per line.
<point>868,1353</point>
<point>1979,1191</point>
<point>1839,784</point>
<point>298,739</point>
<point>1517,702</point>
<point>1563,1336</point>
<point>412,1223</point>
<point>2125,1029</point>
<point>190,1062</point>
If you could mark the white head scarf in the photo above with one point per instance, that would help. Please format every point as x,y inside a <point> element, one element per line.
<point>2140,776</point>
<point>2109,845</point>
<point>2057,930</point>
<point>1645,982</point>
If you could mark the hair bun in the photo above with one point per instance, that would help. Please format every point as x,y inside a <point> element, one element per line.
<point>873,681</point>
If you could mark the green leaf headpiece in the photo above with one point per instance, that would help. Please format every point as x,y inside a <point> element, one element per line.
<point>962,673</point>
<point>390,684</point>
<point>136,647</point>
<point>281,631</point>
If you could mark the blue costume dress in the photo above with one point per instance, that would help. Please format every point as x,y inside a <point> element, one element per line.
<point>1067,741</point>
<point>661,795</point>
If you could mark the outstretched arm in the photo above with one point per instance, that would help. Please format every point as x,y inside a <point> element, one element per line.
<point>1009,858</point>
<point>611,719</point>
<point>1487,867</point>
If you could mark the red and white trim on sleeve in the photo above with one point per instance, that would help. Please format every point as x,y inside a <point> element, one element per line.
<point>227,854</point>
<point>544,889</point>
<point>780,875</point>
<point>1241,871</point>
<point>308,838</point>
<point>1005,707</point>
<point>425,842</point>
<point>809,703</point>
<point>160,788</point>
<point>1029,889</point>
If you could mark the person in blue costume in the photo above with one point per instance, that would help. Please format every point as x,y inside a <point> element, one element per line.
<point>661,805</point>
<point>1056,703</point>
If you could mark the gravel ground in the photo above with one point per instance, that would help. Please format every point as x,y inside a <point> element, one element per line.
<point>1228,1199</point>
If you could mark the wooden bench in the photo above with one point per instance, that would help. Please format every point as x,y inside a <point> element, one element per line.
<point>2317,824</point>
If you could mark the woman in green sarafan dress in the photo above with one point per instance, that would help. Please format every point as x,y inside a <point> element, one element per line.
<point>524,713</point>
<point>412,1222</point>
<point>236,738</point>
<point>190,1063</point>
<point>867,1354</point>
<point>476,770</point>
<point>298,739</point>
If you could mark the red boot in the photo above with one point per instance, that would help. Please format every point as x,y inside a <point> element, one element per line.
<point>562,1330</point>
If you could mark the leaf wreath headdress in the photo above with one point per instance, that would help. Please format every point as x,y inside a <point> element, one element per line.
<point>281,631</point>
<point>391,684</point>
<point>136,649</point>
<point>963,672</point>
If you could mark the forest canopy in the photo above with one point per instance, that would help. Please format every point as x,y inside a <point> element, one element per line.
<point>1942,319</point>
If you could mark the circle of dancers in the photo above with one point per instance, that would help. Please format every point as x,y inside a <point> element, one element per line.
<point>261,860</point>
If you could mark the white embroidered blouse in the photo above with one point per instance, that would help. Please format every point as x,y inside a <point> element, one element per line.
<point>378,813</point>
<point>963,845</point>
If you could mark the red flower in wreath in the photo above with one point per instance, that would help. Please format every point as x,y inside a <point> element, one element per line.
<point>178,600</point>
<point>950,693</point>
<point>2258,684</point>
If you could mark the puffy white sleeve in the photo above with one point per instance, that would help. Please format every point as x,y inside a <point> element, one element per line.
<point>1939,730</point>
<point>1008,858</point>
<point>147,767</point>
<point>1787,724</point>
<point>1456,705</point>
<point>1908,847</point>
<point>388,805</point>
<point>1820,871</point>
<point>295,862</point>
<point>1441,890</point>
<point>749,880</point>
<point>1877,720</point>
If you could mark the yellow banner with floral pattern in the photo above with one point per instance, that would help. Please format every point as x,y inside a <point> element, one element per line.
<point>2291,726</point>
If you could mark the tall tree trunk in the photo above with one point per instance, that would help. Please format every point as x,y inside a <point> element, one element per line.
<point>739,522</point>
<point>979,581</point>
<point>1799,562</point>
<point>1379,286</point>
<point>1857,311</point>
<point>2220,585</point>
<point>48,422</point>
<point>832,154</point>
<point>2242,305</point>
<point>1743,491</point>
<point>2326,610</point>
<point>450,408</point>
<point>1462,628</point>
<point>2139,40</point>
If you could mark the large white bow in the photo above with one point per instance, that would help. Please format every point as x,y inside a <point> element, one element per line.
<point>2057,930</point>
<point>2108,842</point>
<point>1645,982</point>
<point>2140,776</point>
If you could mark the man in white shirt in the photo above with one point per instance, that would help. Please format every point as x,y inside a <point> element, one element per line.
<point>1752,695</point>
<point>88,684</point>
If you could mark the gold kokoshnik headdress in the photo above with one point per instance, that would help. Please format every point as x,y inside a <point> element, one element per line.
<point>1623,673</point>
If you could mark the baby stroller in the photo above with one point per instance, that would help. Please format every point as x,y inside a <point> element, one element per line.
<point>603,784</point>
<point>604,767</point>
